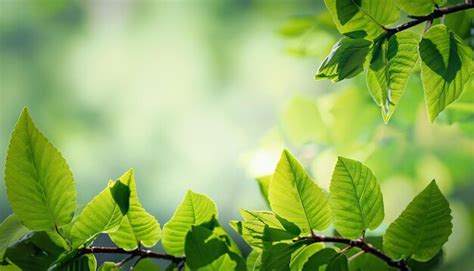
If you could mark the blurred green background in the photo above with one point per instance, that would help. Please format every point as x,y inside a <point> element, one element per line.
<point>204,95</point>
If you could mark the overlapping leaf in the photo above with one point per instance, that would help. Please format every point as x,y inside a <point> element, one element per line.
<point>262,227</point>
<point>11,230</point>
<point>365,18</point>
<point>391,64</point>
<point>137,226</point>
<point>445,68</point>
<point>355,198</point>
<point>40,186</point>
<point>346,60</point>
<point>278,256</point>
<point>264,183</point>
<point>300,257</point>
<point>194,210</point>
<point>422,228</point>
<point>102,214</point>
<point>295,197</point>
<point>418,7</point>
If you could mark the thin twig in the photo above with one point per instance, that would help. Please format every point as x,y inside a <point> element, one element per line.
<point>135,253</point>
<point>356,255</point>
<point>361,244</point>
<point>437,13</point>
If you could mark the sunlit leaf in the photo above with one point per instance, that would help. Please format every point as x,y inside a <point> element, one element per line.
<point>445,69</point>
<point>355,198</point>
<point>295,197</point>
<point>365,18</point>
<point>391,64</point>
<point>319,259</point>
<point>418,7</point>
<point>146,265</point>
<point>40,186</point>
<point>278,256</point>
<point>137,226</point>
<point>422,228</point>
<point>194,210</point>
<point>346,59</point>
<point>85,262</point>
<point>300,257</point>
<point>102,214</point>
<point>263,183</point>
<point>254,261</point>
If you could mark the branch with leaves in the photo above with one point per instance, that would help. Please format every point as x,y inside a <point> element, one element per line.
<point>389,54</point>
<point>301,211</point>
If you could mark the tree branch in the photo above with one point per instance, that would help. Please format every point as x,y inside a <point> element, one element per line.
<point>134,253</point>
<point>437,13</point>
<point>361,244</point>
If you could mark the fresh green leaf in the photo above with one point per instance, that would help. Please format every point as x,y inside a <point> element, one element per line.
<point>146,265</point>
<point>300,257</point>
<point>346,59</point>
<point>263,227</point>
<point>389,70</point>
<point>11,230</point>
<point>85,262</point>
<point>40,186</point>
<point>278,256</point>
<point>295,197</point>
<point>137,226</point>
<point>205,251</point>
<point>254,261</point>
<point>418,7</point>
<point>109,266</point>
<point>36,251</point>
<point>121,195</point>
<point>263,183</point>
<point>355,198</point>
<point>422,228</point>
<point>101,215</point>
<point>319,259</point>
<point>338,263</point>
<point>445,69</point>
<point>356,18</point>
<point>194,210</point>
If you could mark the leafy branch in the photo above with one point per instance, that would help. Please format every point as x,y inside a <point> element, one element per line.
<point>437,13</point>
<point>357,243</point>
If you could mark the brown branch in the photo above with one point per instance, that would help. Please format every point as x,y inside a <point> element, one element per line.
<point>437,13</point>
<point>142,253</point>
<point>361,244</point>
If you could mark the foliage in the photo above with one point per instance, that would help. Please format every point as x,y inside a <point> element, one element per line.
<point>389,53</point>
<point>282,239</point>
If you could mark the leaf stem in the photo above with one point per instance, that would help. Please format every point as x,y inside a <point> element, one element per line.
<point>437,13</point>
<point>361,244</point>
<point>142,253</point>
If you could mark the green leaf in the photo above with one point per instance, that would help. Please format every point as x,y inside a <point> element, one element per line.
<point>300,257</point>
<point>295,197</point>
<point>346,59</point>
<point>338,263</point>
<point>36,251</point>
<point>391,65</point>
<point>355,198</point>
<point>121,195</point>
<point>11,230</point>
<point>146,265</point>
<point>109,266</point>
<point>263,183</point>
<point>418,7</point>
<point>254,261</point>
<point>264,227</point>
<point>422,228</point>
<point>362,18</point>
<point>319,259</point>
<point>205,251</point>
<point>40,186</point>
<point>137,226</point>
<point>445,68</point>
<point>85,262</point>
<point>194,210</point>
<point>101,215</point>
<point>278,256</point>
